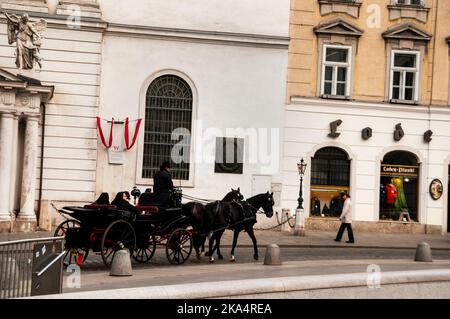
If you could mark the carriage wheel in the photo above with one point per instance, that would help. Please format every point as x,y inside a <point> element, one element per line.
<point>144,254</point>
<point>72,254</point>
<point>179,246</point>
<point>119,234</point>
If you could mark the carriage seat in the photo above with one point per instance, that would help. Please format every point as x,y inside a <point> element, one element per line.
<point>99,206</point>
<point>148,209</point>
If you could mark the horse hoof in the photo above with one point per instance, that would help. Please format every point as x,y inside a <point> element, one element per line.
<point>255,257</point>
<point>220,257</point>
<point>199,256</point>
<point>211,260</point>
<point>232,259</point>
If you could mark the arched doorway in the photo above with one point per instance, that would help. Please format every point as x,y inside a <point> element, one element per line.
<point>330,175</point>
<point>399,186</point>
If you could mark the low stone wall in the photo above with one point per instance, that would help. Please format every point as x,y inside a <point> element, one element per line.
<point>332,225</point>
<point>17,226</point>
<point>396,284</point>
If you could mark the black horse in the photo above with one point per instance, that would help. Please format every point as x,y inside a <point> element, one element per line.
<point>196,212</point>
<point>237,216</point>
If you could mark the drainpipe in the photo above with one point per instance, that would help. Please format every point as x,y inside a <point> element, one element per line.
<point>41,170</point>
<point>431,97</point>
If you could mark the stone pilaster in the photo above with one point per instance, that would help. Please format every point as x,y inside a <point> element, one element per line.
<point>28,191</point>
<point>13,191</point>
<point>6,148</point>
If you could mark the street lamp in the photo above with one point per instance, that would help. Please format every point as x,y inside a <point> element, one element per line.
<point>301,171</point>
<point>299,229</point>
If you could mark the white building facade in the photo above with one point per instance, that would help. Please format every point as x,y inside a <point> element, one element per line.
<point>372,162</point>
<point>216,69</point>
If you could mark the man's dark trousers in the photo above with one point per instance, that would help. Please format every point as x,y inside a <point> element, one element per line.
<point>344,226</point>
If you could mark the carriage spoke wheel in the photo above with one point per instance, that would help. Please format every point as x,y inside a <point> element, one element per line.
<point>179,246</point>
<point>118,234</point>
<point>73,254</point>
<point>143,253</point>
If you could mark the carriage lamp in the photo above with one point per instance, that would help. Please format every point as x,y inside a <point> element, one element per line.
<point>135,192</point>
<point>299,229</point>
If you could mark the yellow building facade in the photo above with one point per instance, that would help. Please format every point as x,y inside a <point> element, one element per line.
<point>373,18</point>
<point>367,107</point>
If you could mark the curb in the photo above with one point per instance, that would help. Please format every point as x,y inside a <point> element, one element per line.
<point>260,287</point>
<point>336,246</point>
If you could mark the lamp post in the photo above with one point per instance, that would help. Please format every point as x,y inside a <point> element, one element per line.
<point>299,229</point>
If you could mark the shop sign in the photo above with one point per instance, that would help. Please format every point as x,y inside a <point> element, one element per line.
<point>367,132</point>
<point>399,170</point>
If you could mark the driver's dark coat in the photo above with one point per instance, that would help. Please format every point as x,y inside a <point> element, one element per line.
<point>162,186</point>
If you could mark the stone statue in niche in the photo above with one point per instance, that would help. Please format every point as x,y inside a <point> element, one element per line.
<point>28,38</point>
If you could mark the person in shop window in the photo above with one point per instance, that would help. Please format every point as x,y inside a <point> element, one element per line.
<point>391,195</point>
<point>400,203</point>
<point>346,220</point>
<point>336,206</point>
<point>316,207</point>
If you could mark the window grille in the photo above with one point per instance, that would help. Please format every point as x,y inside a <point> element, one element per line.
<point>168,107</point>
<point>330,167</point>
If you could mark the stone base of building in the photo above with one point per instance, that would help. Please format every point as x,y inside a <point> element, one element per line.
<point>18,226</point>
<point>332,225</point>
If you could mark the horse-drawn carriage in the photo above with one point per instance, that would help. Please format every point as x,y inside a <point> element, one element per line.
<point>104,229</point>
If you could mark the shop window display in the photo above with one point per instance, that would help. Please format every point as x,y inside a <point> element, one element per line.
<point>330,175</point>
<point>399,185</point>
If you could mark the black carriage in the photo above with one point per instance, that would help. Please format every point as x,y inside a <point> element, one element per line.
<point>104,229</point>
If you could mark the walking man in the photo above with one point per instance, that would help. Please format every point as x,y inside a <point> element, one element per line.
<point>346,219</point>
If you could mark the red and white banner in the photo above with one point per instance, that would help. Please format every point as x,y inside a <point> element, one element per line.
<point>102,136</point>
<point>115,139</point>
<point>127,133</point>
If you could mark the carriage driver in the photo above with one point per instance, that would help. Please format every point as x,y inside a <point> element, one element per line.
<point>162,183</point>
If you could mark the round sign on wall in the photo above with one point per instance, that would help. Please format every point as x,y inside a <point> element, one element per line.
<point>436,189</point>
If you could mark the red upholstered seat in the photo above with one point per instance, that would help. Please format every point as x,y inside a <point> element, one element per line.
<point>148,209</point>
<point>97,206</point>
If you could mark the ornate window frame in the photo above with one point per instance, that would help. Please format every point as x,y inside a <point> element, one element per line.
<point>405,37</point>
<point>413,11</point>
<point>350,7</point>
<point>337,32</point>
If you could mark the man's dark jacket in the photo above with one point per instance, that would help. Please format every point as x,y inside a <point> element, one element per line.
<point>162,186</point>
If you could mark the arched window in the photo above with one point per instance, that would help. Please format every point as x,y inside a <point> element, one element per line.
<point>168,107</point>
<point>330,166</point>
<point>399,186</point>
<point>330,175</point>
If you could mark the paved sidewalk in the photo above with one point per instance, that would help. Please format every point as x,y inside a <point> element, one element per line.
<point>326,239</point>
<point>312,239</point>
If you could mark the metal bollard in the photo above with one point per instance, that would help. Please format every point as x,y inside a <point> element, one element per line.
<point>423,253</point>
<point>273,255</point>
<point>121,264</point>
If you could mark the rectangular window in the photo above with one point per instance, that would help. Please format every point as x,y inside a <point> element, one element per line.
<point>336,67</point>
<point>410,2</point>
<point>404,76</point>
